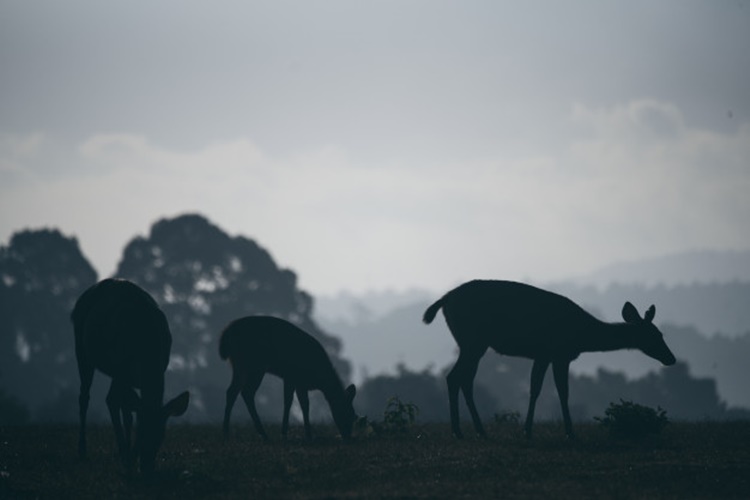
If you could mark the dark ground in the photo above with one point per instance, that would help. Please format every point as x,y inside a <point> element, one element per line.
<point>688,460</point>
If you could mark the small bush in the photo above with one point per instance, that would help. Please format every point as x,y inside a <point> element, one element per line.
<point>399,416</point>
<point>508,417</point>
<point>363,427</point>
<point>628,419</point>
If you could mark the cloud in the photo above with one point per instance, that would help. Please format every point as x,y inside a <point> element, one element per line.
<point>15,150</point>
<point>638,182</point>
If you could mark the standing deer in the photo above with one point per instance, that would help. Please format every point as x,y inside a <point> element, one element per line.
<point>120,331</point>
<point>256,345</point>
<point>520,320</point>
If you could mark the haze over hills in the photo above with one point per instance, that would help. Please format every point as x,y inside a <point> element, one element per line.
<point>707,266</point>
<point>702,309</point>
<point>654,278</point>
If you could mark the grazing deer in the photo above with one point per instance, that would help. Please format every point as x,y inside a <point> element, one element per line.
<point>520,320</point>
<point>120,331</point>
<point>256,345</point>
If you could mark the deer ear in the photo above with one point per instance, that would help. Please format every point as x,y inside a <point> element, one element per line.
<point>630,314</point>
<point>649,316</point>
<point>177,406</point>
<point>351,391</point>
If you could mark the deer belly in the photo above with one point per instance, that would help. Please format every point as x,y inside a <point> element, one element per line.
<point>531,347</point>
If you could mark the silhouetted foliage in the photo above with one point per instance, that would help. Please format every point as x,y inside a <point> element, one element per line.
<point>423,389</point>
<point>502,388</point>
<point>203,279</point>
<point>42,272</point>
<point>633,420</point>
<point>399,416</point>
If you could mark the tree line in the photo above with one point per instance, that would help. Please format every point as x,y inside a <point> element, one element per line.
<point>204,278</point>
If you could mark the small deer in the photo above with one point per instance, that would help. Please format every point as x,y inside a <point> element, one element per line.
<point>520,320</point>
<point>256,345</point>
<point>120,331</point>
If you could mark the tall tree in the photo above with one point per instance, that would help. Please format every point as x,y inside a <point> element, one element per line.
<point>42,273</point>
<point>203,279</point>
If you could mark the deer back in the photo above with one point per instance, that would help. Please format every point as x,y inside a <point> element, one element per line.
<point>516,319</point>
<point>121,331</point>
<point>273,345</point>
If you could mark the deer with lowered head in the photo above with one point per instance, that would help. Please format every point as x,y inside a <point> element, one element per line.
<point>256,345</point>
<point>516,319</point>
<point>121,331</point>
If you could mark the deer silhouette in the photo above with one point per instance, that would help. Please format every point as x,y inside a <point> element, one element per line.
<point>521,320</point>
<point>120,331</point>
<point>256,345</point>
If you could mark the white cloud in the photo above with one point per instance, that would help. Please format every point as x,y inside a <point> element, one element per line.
<point>16,149</point>
<point>641,182</point>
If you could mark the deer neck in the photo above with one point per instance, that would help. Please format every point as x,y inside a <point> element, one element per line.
<point>608,337</point>
<point>152,395</point>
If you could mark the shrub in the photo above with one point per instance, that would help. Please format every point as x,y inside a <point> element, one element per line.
<point>628,419</point>
<point>508,417</point>
<point>399,416</point>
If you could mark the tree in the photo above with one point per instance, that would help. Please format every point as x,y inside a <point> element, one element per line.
<point>42,273</point>
<point>203,279</point>
<point>423,389</point>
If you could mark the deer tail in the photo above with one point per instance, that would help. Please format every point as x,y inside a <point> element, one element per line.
<point>431,311</point>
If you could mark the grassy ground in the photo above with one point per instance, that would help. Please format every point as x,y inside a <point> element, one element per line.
<point>698,460</point>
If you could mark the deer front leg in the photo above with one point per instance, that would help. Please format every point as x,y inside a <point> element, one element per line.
<point>537,378</point>
<point>115,406</point>
<point>304,403</point>
<point>248,394</point>
<point>87,376</point>
<point>232,392</point>
<point>288,399</point>
<point>561,369</point>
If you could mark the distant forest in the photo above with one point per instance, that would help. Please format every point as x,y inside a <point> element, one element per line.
<point>203,278</point>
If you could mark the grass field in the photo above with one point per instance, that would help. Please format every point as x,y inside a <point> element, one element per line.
<point>688,460</point>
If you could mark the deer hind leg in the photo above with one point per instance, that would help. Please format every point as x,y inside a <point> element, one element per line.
<point>462,377</point>
<point>86,373</point>
<point>248,395</point>
<point>115,405</point>
<point>560,369</point>
<point>537,378</point>
<point>304,403</point>
<point>127,420</point>
<point>131,404</point>
<point>235,386</point>
<point>288,399</point>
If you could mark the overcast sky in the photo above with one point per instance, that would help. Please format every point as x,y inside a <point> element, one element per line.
<point>384,143</point>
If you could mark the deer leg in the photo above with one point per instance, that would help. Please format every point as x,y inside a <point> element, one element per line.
<point>537,378</point>
<point>86,373</point>
<point>232,392</point>
<point>560,369</point>
<point>114,403</point>
<point>288,398</point>
<point>131,404</point>
<point>462,376</point>
<point>453,387</point>
<point>468,389</point>
<point>127,420</point>
<point>248,395</point>
<point>304,403</point>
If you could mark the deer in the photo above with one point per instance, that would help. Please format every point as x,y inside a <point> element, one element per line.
<point>517,319</point>
<point>256,345</point>
<point>121,331</point>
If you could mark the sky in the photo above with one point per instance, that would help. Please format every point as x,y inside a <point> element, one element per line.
<point>383,144</point>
